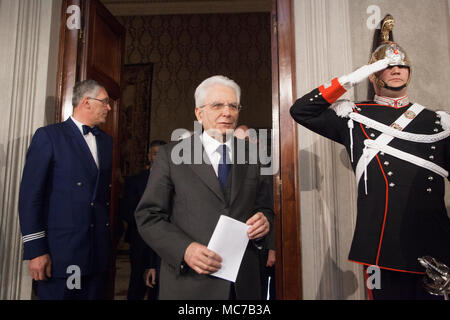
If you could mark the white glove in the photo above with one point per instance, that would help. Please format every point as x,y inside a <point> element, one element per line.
<point>362,73</point>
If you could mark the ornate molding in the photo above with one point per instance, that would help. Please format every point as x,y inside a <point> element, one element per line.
<point>126,8</point>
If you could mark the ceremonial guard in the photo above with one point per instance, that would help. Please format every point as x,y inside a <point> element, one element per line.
<point>400,154</point>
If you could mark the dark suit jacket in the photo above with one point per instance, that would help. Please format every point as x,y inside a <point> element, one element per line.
<point>182,204</point>
<point>64,199</point>
<point>133,190</point>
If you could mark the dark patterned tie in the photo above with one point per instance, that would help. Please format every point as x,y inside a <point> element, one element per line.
<point>224,165</point>
<point>95,130</point>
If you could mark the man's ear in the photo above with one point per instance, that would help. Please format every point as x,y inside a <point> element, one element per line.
<point>85,104</point>
<point>198,114</point>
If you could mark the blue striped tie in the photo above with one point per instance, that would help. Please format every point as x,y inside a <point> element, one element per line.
<point>224,165</point>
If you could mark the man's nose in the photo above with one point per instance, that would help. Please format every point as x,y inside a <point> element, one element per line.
<point>226,110</point>
<point>395,69</point>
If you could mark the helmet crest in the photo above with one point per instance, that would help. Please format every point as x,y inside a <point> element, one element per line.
<point>390,49</point>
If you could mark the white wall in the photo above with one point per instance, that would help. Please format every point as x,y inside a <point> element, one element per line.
<point>29,32</point>
<point>423,29</point>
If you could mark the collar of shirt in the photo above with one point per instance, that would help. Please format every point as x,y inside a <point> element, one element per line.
<point>79,125</point>
<point>393,102</point>
<point>89,138</point>
<point>210,144</point>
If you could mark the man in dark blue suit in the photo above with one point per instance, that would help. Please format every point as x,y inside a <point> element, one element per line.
<point>144,261</point>
<point>64,200</point>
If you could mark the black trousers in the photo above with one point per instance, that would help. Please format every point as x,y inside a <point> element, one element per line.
<point>93,287</point>
<point>395,285</point>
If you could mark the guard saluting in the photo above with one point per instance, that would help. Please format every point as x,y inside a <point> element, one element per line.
<point>400,154</point>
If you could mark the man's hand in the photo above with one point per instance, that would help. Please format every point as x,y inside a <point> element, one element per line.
<point>362,73</point>
<point>150,277</point>
<point>41,267</point>
<point>259,226</point>
<point>201,259</point>
<point>270,258</point>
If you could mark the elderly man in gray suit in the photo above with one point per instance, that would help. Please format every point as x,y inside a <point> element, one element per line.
<point>183,201</point>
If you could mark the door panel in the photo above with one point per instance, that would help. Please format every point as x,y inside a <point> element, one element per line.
<point>95,52</point>
<point>103,47</point>
<point>286,196</point>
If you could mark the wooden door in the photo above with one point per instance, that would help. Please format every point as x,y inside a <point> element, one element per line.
<point>286,192</point>
<point>95,50</point>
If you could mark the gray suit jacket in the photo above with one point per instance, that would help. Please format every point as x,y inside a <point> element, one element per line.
<point>182,204</point>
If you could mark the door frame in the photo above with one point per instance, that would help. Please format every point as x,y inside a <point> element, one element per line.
<point>286,184</point>
<point>74,65</point>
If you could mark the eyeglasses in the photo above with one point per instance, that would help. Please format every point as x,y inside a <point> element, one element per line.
<point>218,106</point>
<point>398,66</point>
<point>104,101</point>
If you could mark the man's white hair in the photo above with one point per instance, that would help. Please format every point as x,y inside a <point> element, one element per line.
<point>202,89</point>
<point>84,89</point>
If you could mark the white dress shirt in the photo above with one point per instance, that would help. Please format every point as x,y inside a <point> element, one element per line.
<point>90,140</point>
<point>210,144</point>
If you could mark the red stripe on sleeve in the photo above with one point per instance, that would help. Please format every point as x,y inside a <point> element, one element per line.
<point>333,92</point>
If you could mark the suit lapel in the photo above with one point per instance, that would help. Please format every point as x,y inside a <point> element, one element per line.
<point>238,172</point>
<point>204,170</point>
<point>101,150</point>
<point>80,146</point>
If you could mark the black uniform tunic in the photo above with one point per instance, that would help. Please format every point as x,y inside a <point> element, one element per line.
<point>403,216</point>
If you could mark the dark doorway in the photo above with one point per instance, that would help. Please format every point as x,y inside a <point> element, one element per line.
<point>185,49</point>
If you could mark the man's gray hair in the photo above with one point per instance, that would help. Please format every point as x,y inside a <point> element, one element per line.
<point>85,88</point>
<point>202,89</point>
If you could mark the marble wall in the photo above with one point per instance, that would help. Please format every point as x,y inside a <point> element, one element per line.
<point>423,30</point>
<point>322,29</point>
<point>29,32</point>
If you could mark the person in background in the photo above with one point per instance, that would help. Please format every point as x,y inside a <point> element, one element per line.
<point>64,200</point>
<point>144,261</point>
<point>267,254</point>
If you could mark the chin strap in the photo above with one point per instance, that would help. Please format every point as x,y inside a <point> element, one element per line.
<point>382,84</point>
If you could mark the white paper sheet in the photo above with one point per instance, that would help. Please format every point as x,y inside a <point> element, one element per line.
<point>229,241</point>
